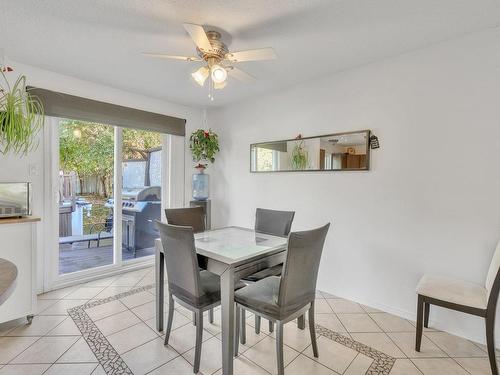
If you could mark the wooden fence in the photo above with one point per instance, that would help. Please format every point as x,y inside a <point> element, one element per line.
<point>71,185</point>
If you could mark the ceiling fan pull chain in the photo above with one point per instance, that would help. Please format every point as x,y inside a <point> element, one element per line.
<point>211,89</point>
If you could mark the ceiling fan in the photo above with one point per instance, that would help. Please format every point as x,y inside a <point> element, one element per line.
<point>218,60</point>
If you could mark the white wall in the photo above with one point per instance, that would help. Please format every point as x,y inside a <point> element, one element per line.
<point>15,168</point>
<point>429,204</point>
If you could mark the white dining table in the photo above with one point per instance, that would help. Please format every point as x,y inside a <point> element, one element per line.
<point>232,253</point>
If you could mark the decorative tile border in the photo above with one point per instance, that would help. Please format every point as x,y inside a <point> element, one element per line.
<point>382,363</point>
<point>107,356</point>
<point>113,364</point>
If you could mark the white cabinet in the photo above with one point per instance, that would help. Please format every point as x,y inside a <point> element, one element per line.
<point>18,245</point>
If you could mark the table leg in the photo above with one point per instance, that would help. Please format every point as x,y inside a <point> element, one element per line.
<point>227,320</point>
<point>159,283</point>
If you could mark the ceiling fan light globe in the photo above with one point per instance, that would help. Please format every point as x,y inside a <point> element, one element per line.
<point>218,74</point>
<point>219,86</point>
<point>200,75</point>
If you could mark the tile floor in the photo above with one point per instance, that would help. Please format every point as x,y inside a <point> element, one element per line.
<point>53,344</point>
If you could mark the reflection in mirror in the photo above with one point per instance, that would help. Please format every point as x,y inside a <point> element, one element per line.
<point>334,152</point>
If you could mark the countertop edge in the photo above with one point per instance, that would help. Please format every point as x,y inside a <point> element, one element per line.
<point>19,220</point>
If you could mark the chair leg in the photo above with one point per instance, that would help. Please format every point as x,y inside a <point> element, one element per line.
<point>427,310</point>
<point>211,316</point>
<point>490,342</point>
<point>420,318</point>
<point>194,319</point>
<point>257,324</point>
<point>301,322</point>
<point>170,317</point>
<point>271,326</point>
<point>237,323</point>
<point>279,348</point>
<point>312,330</point>
<point>243,327</point>
<point>159,288</point>
<point>199,338</point>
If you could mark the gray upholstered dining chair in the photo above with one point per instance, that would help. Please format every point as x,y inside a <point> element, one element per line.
<point>195,289</point>
<point>282,299</point>
<point>462,296</point>
<point>193,217</point>
<point>276,223</point>
<point>190,217</point>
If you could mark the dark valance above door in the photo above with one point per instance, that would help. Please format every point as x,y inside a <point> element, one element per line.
<point>77,108</point>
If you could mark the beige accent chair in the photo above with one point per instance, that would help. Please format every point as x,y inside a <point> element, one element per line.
<point>462,296</point>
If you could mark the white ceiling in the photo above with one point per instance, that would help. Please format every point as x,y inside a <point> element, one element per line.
<point>102,40</point>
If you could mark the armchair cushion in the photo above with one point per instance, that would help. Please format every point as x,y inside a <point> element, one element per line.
<point>453,290</point>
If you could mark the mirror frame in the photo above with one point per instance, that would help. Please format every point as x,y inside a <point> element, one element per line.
<point>367,168</point>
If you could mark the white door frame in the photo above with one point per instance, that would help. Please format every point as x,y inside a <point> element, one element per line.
<point>172,196</point>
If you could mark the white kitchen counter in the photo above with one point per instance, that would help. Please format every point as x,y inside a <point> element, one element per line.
<point>18,246</point>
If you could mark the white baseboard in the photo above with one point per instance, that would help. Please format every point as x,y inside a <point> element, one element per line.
<point>411,315</point>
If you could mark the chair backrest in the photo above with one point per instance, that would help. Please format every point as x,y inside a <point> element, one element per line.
<point>180,257</point>
<point>493,276</point>
<point>187,217</point>
<point>277,223</point>
<point>300,271</point>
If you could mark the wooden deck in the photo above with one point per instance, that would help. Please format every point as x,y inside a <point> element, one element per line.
<point>78,257</point>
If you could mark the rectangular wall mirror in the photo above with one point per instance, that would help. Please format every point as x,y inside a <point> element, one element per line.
<point>333,152</point>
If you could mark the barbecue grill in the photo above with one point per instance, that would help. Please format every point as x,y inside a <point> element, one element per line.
<point>140,208</point>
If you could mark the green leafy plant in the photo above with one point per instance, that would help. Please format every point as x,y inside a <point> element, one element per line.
<point>87,149</point>
<point>204,145</point>
<point>21,117</point>
<point>299,156</point>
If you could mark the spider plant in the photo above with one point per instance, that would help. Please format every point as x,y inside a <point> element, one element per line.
<point>21,117</point>
<point>299,157</point>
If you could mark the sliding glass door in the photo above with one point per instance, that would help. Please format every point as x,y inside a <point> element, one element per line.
<point>110,195</point>
<point>141,192</point>
<point>86,167</point>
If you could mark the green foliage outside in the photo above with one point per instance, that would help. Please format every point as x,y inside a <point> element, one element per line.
<point>95,222</point>
<point>264,159</point>
<point>88,149</point>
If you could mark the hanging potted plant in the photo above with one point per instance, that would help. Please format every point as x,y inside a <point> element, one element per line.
<point>21,116</point>
<point>204,145</point>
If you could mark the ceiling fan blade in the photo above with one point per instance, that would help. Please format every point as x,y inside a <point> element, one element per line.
<point>199,36</point>
<point>251,55</point>
<point>241,75</point>
<point>174,57</point>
